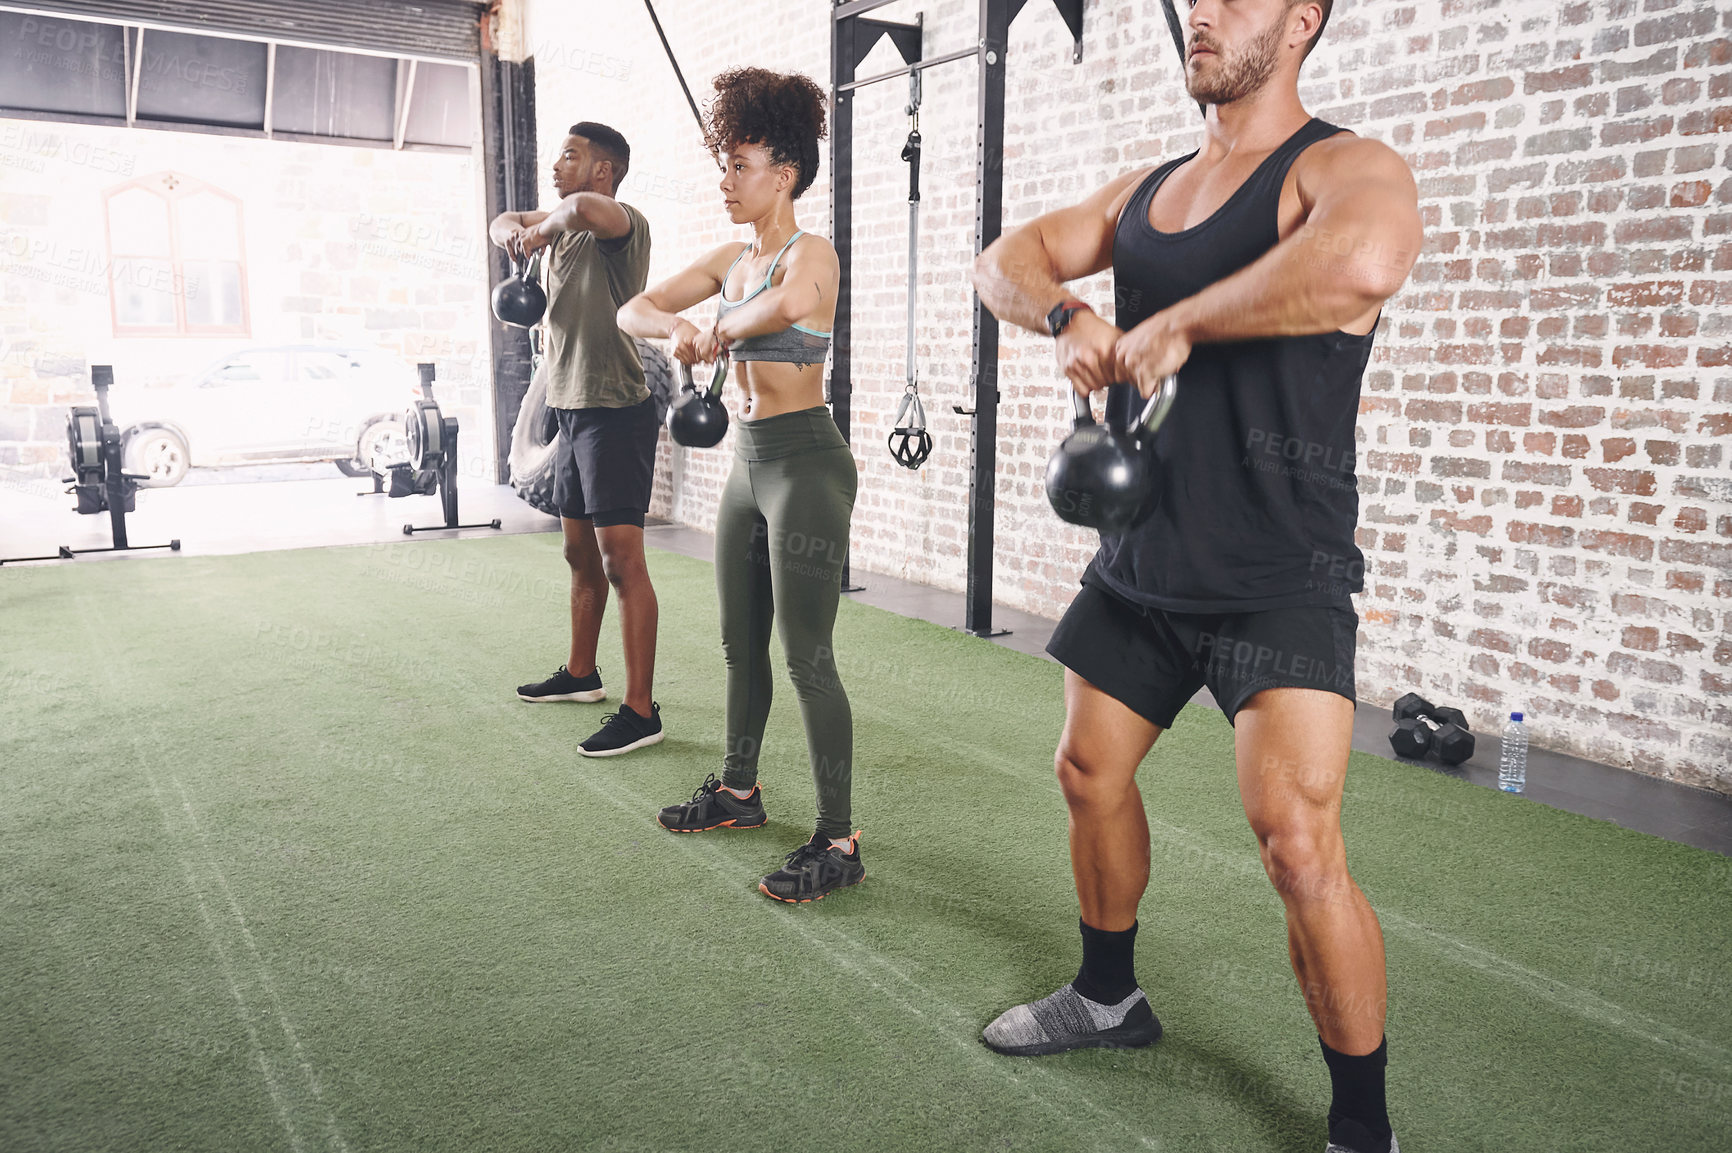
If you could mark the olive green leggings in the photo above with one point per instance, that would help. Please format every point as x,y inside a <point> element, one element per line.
<point>781,540</point>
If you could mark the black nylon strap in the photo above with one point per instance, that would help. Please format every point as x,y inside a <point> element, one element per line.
<point>1173,26</point>
<point>681,76</point>
<point>1178,32</point>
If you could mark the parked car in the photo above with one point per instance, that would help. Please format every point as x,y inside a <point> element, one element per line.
<point>272,405</point>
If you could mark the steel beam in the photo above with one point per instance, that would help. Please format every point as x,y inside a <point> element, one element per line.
<point>995,18</point>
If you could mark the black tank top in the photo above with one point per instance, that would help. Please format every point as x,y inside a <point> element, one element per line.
<point>1257,498</point>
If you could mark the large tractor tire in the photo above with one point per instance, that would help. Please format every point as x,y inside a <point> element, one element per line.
<point>536,432</point>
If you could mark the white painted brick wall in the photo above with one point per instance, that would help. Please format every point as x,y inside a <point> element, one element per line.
<point>1546,500</point>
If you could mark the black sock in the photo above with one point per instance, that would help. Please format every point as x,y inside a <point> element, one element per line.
<point>1358,1101</point>
<point>1108,973</point>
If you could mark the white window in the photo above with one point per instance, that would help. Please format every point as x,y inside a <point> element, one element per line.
<point>177,260</point>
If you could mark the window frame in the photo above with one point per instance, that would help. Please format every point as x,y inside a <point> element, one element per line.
<point>182,186</point>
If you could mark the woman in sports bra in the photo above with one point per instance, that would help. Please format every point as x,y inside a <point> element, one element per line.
<point>782,525</point>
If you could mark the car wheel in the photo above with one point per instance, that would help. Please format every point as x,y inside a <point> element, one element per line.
<point>159,454</point>
<point>535,434</point>
<point>380,445</point>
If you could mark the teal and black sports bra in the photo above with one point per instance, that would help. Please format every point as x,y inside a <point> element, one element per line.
<point>796,344</point>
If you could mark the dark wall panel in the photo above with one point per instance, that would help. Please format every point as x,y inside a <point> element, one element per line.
<point>447,29</point>
<point>508,157</point>
<point>335,94</point>
<point>440,111</point>
<point>201,80</point>
<point>52,64</point>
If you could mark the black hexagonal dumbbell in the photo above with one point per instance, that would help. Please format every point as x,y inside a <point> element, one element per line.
<point>1421,728</point>
<point>1411,738</point>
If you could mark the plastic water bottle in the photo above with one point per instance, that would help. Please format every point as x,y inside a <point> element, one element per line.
<point>1512,765</point>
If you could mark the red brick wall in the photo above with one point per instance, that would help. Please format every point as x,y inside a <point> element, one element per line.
<point>1546,501</point>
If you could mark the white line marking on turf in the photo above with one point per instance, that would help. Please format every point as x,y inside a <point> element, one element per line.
<point>264,975</point>
<point>224,963</point>
<point>853,951</point>
<point>1567,996</point>
<point>260,971</point>
<point>1559,993</point>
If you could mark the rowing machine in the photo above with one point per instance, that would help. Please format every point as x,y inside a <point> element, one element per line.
<point>432,438</point>
<point>98,481</point>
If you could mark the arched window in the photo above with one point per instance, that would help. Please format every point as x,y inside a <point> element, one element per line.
<point>176,258</point>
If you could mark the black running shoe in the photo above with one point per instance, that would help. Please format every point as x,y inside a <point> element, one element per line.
<point>713,807</point>
<point>1068,1020</point>
<point>624,731</point>
<point>562,686</point>
<point>815,869</point>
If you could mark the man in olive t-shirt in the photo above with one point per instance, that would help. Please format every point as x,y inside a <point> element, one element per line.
<point>604,460</point>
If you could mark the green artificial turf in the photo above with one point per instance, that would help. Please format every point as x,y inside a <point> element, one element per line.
<point>286,865</point>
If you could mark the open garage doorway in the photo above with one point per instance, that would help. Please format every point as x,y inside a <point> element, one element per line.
<point>264,224</point>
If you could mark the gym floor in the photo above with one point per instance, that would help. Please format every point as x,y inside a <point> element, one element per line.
<point>299,506</point>
<point>290,866</point>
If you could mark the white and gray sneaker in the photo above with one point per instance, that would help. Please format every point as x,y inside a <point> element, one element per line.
<point>1068,1020</point>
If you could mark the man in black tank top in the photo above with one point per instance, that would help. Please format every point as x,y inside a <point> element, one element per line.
<point>1256,269</point>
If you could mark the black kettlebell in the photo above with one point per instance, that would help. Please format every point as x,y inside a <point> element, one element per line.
<point>518,300</point>
<point>699,419</point>
<point>1100,477</point>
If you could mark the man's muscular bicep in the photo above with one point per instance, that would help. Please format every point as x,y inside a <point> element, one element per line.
<point>1022,273</point>
<point>1363,210</point>
<point>602,215</point>
<point>1078,241</point>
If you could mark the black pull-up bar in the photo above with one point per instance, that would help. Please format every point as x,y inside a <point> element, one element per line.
<point>851,38</point>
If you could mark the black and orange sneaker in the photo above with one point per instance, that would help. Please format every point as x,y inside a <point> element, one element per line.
<point>713,807</point>
<point>814,870</point>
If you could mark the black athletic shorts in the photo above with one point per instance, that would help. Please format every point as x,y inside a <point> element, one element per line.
<point>1154,661</point>
<point>604,463</point>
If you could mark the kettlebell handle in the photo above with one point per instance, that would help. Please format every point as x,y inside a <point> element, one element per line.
<point>716,381</point>
<point>1082,415</point>
<point>522,267</point>
<point>1154,412</point>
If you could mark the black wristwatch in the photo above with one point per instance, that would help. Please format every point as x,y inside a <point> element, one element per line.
<point>1059,318</point>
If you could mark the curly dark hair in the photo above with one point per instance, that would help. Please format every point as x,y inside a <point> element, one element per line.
<point>783,111</point>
